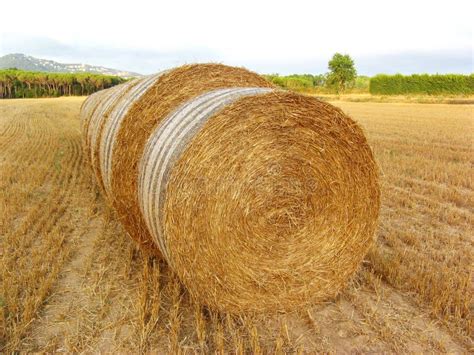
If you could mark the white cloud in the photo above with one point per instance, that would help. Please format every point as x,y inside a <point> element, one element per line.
<point>278,34</point>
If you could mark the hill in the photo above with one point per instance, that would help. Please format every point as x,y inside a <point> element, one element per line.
<point>25,62</point>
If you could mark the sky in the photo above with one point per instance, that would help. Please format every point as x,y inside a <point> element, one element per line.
<point>284,37</point>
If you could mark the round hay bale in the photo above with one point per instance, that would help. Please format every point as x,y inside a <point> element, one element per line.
<point>168,92</point>
<point>259,199</point>
<point>270,203</point>
<point>87,108</point>
<point>96,130</point>
<point>95,123</point>
<point>97,107</point>
<point>114,122</point>
<point>88,104</point>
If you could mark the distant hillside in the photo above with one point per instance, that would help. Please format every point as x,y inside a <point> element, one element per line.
<point>25,62</point>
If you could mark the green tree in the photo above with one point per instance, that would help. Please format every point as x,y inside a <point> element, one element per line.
<point>16,83</point>
<point>342,72</point>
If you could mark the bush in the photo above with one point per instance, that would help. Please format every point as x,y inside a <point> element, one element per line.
<point>314,83</point>
<point>361,83</point>
<point>449,84</point>
<point>296,82</point>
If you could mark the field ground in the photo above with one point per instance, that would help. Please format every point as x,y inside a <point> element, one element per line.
<point>420,99</point>
<point>71,280</point>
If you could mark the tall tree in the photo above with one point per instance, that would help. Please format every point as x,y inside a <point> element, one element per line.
<point>342,72</point>
<point>16,83</point>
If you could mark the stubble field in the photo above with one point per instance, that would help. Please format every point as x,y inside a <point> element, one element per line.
<point>71,280</point>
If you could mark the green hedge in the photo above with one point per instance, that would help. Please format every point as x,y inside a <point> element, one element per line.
<point>449,84</point>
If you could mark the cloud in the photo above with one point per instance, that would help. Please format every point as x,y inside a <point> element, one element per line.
<point>137,60</point>
<point>149,61</point>
<point>410,62</point>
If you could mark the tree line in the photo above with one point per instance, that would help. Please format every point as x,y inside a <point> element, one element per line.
<point>318,83</point>
<point>15,83</point>
<point>342,75</point>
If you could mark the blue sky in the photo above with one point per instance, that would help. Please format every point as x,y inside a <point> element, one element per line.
<point>269,37</point>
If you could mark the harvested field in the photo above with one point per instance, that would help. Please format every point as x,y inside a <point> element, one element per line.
<point>72,280</point>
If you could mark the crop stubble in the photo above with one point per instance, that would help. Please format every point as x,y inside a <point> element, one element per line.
<point>72,280</point>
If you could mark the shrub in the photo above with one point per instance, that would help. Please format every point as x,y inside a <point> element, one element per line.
<point>449,84</point>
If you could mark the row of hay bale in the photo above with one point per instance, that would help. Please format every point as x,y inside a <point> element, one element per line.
<point>259,199</point>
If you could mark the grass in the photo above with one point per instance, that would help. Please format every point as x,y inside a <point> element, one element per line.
<point>72,280</point>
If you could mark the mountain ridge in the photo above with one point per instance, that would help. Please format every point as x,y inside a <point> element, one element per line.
<point>26,62</point>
